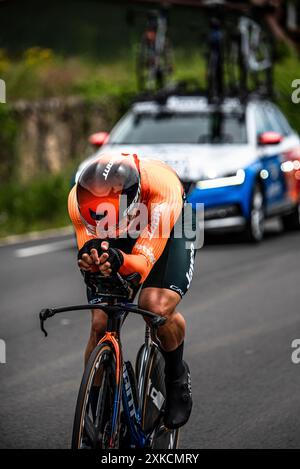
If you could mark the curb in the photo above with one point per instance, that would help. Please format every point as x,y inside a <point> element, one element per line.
<point>36,235</point>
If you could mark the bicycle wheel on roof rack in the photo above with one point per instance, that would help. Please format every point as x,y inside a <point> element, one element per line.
<point>153,69</point>
<point>96,421</point>
<point>145,72</point>
<point>257,52</point>
<point>151,386</point>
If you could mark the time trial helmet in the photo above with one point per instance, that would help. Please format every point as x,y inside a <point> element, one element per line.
<point>108,191</point>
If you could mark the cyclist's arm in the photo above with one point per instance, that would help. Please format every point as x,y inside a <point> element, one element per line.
<point>82,235</point>
<point>152,241</point>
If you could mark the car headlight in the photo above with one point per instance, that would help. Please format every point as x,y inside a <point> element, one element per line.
<point>234,180</point>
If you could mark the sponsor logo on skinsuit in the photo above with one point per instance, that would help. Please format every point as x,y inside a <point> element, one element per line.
<point>177,289</point>
<point>190,273</point>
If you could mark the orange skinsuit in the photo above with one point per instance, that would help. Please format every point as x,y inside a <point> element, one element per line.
<point>161,187</point>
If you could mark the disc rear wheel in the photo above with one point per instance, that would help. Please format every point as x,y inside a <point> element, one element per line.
<point>151,384</point>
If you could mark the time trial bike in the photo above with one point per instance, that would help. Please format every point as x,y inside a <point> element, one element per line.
<point>129,405</point>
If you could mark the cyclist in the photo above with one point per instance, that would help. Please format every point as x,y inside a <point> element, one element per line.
<point>103,226</point>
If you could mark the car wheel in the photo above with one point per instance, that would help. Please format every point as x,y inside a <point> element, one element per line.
<point>256,224</point>
<point>291,222</point>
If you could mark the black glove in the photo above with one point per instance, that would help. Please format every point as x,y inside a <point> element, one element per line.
<point>91,244</point>
<point>115,258</point>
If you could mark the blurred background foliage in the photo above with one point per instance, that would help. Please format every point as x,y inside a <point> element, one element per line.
<point>35,205</point>
<point>87,49</point>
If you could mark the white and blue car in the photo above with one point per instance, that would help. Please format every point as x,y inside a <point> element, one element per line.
<point>242,160</point>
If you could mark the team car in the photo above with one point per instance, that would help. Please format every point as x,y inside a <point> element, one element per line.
<point>240,159</point>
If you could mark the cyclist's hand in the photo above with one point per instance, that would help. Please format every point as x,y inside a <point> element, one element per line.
<point>92,258</point>
<point>94,262</point>
<point>86,263</point>
<point>101,261</point>
<point>110,260</point>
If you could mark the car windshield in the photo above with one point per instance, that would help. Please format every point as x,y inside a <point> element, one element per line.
<point>171,128</point>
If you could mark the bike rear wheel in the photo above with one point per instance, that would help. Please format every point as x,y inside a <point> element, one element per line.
<point>151,385</point>
<point>96,414</point>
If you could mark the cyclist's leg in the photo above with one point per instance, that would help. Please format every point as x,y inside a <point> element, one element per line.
<point>98,328</point>
<point>178,404</point>
<point>170,279</point>
<point>167,283</point>
<point>161,293</point>
<point>163,302</point>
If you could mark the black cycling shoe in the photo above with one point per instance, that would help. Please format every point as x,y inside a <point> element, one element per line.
<point>179,402</point>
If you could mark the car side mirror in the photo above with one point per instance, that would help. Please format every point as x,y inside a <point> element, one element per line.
<point>270,138</point>
<point>98,139</point>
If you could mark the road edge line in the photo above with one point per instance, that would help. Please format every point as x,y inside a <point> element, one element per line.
<point>36,235</point>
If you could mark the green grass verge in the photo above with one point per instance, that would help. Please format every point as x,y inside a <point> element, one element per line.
<point>37,205</point>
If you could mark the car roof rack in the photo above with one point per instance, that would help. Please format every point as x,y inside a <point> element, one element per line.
<point>192,89</point>
<point>181,88</point>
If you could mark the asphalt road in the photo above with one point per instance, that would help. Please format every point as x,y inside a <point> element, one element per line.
<point>242,313</point>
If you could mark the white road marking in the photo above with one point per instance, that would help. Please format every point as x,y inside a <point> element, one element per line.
<point>43,248</point>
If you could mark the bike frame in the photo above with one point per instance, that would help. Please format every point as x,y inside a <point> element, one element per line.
<point>124,391</point>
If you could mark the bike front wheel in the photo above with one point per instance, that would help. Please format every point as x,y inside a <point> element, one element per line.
<point>96,418</point>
